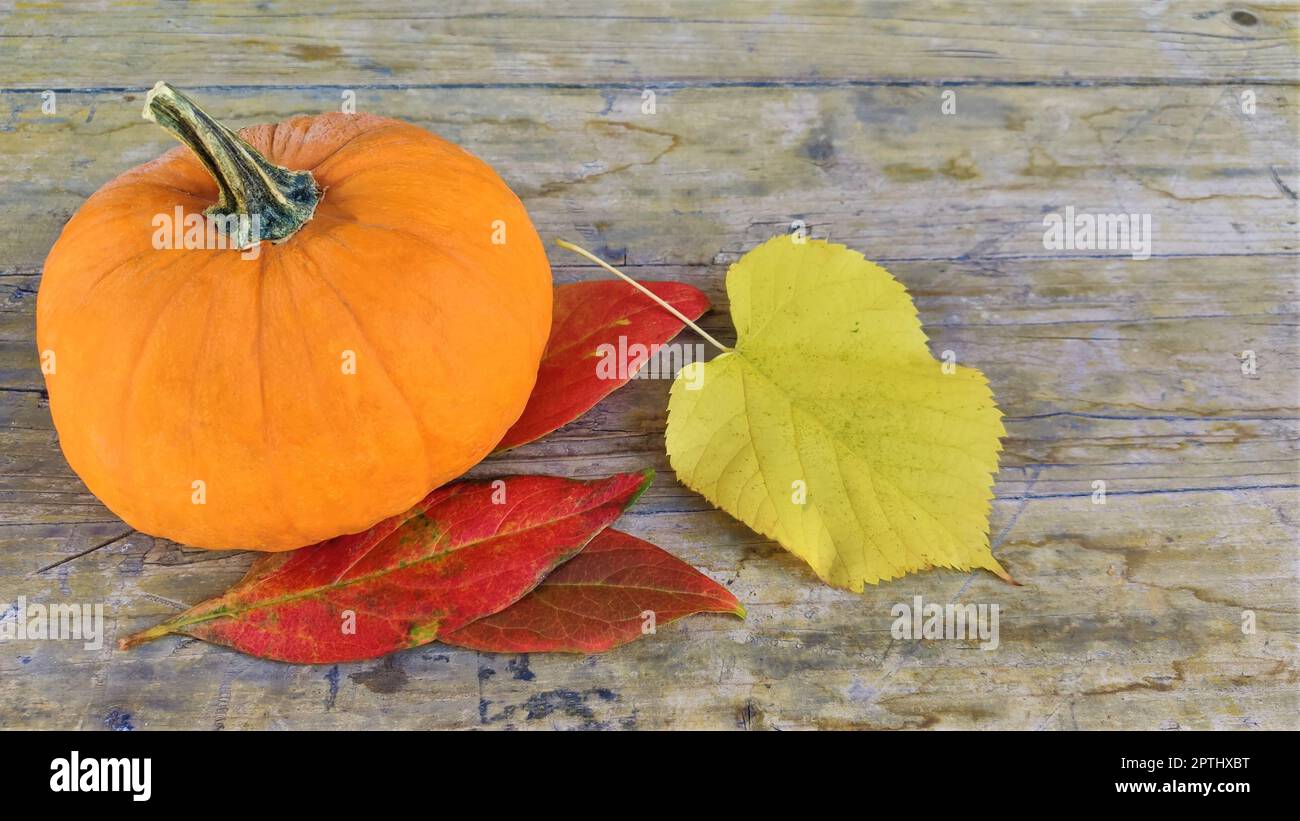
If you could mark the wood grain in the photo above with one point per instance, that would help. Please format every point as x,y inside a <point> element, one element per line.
<point>1108,368</point>
<point>881,169</point>
<point>390,43</point>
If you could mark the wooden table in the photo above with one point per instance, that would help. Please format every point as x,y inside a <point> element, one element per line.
<point>1109,368</point>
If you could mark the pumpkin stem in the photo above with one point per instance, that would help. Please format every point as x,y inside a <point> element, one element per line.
<point>580,251</point>
<point>259,200</point>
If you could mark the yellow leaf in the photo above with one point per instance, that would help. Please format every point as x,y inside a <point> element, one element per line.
<point>831,429</point>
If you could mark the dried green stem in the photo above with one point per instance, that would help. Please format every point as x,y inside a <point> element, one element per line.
<point>259,200</point>
<point>579,250</point>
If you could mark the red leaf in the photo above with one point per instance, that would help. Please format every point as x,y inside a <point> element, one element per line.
<point>594,601</point>
<point>588,315</point>
<point>451,559</point>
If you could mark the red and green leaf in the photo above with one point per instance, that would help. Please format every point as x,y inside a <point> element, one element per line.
<point>588,315</point>
<point>466,551</point>
<point>598,600</point>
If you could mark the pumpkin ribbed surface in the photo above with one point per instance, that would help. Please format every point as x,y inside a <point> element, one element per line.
<point>208,398</point>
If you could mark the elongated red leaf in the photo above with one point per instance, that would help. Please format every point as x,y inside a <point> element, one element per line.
<point>588,315</point>
<point>467,550</point>
<point>598,600</point>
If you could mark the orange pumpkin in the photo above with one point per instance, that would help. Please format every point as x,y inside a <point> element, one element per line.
<point>370,330</point>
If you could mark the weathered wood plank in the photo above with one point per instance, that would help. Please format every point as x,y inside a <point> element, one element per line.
<point>1132,627</point>
<point>716,170</point>
<point>389,43</point>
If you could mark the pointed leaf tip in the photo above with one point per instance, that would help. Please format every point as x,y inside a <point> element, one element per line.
<point>609,319</point>
<point>599,600</point>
